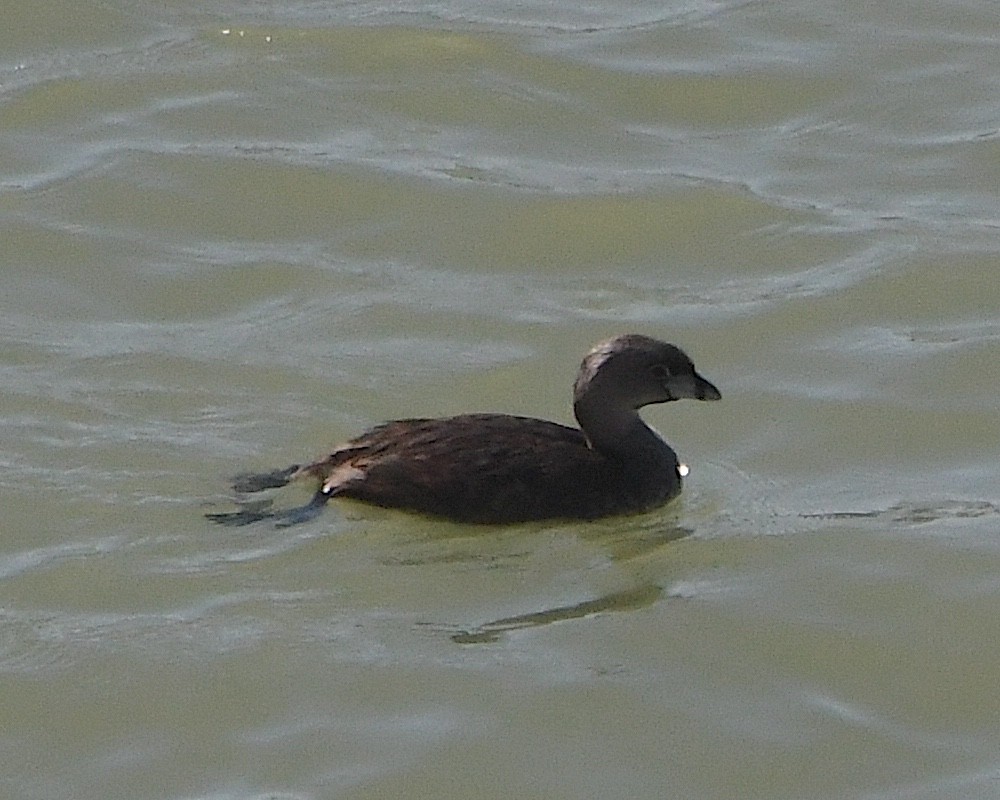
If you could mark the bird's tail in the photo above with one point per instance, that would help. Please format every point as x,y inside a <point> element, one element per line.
<point>249,482</point>
<point>255,510</point>
<point>283,518</point>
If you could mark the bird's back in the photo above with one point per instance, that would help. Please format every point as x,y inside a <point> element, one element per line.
<point>492,468</point>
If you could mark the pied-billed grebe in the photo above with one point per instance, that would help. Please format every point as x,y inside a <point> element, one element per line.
<point>496,468</point>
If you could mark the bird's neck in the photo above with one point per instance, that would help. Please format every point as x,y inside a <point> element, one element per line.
<point>617,431</point>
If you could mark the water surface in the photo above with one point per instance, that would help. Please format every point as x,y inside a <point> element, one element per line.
<point>233,236</point>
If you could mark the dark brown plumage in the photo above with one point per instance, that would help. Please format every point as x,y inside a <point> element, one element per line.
<point>496,468</point>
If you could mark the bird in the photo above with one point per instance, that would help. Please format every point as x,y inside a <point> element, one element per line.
<point>498,469</point>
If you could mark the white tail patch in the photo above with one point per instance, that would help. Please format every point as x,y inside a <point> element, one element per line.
<point>345,473</point>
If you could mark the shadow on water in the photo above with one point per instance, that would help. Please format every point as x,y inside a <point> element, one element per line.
<point>916,513</point>
<point>626,600</point>
<point>621,543</point>
<point>626,542</point>
<point>431,540</point>
<point>645,535</point>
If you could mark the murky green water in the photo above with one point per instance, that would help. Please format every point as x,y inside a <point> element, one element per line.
<point>232,237</point>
